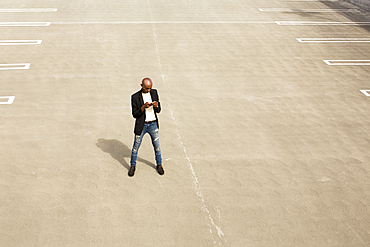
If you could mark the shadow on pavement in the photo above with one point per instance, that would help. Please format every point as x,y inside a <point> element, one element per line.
<point>119,152</point>
<point>357,16</point>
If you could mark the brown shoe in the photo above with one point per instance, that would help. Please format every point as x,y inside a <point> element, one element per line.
<point>160,170</point>
<point>131,172</point>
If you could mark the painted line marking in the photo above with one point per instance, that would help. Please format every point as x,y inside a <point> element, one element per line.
<point>15,66</point>
<point>306,10</point>
<point>366,92</point>
<point>168,22</point>
<point>332,40</point>
<point>320,23</point>
<point>190,166</point>
<point>347,62</point>
<point>29,10</point>
<point>20,42</point>
<point>9,101</point>
<point>24,24</point>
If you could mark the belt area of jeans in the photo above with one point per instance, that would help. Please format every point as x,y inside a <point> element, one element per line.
<point>151,122</point>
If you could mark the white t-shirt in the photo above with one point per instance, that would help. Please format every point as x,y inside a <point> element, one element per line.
<point>149,112</point>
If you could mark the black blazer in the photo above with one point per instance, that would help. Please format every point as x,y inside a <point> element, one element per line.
<point>136,103</point>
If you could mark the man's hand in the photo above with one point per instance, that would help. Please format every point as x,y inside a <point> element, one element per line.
<point>155,104</point>
<point>146,105</point>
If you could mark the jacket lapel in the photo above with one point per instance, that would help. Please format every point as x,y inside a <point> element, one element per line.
<point>141,98</point>
<point>152,95</point>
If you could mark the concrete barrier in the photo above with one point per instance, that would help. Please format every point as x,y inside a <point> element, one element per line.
<point>364,4</point>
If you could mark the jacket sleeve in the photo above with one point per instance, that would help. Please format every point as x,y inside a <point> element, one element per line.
<point>136,108</point>
<point>158,109</point>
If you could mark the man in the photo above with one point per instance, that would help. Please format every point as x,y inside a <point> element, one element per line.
<point>145,106</point>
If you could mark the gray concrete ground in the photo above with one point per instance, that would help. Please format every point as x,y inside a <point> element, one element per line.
<point>364,4</point>
<point>264,144</point>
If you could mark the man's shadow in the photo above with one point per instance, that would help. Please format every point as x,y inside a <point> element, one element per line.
<point>119,152</point>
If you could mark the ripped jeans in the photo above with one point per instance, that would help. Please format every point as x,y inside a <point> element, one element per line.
<point>153,131</point>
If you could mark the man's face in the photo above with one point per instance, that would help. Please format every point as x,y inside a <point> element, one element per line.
<point>146,87</point>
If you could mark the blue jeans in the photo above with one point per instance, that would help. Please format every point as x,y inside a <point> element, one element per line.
<point>153,131</point>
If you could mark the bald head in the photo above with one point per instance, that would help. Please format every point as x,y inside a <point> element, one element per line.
<point>146,85</point>
<point>147,81</point>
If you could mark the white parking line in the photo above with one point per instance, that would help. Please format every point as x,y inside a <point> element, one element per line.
<point>347,62</point>
<point>318,23</point>
<point>24,24</point>
<point>9,101</point>
<point>366,92</point>
<point>20,42</point>
<point>306,10</point>
<point>29,10</point>
<point>166,22</point>
<point>15,66</point>
<point>332,40</point>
